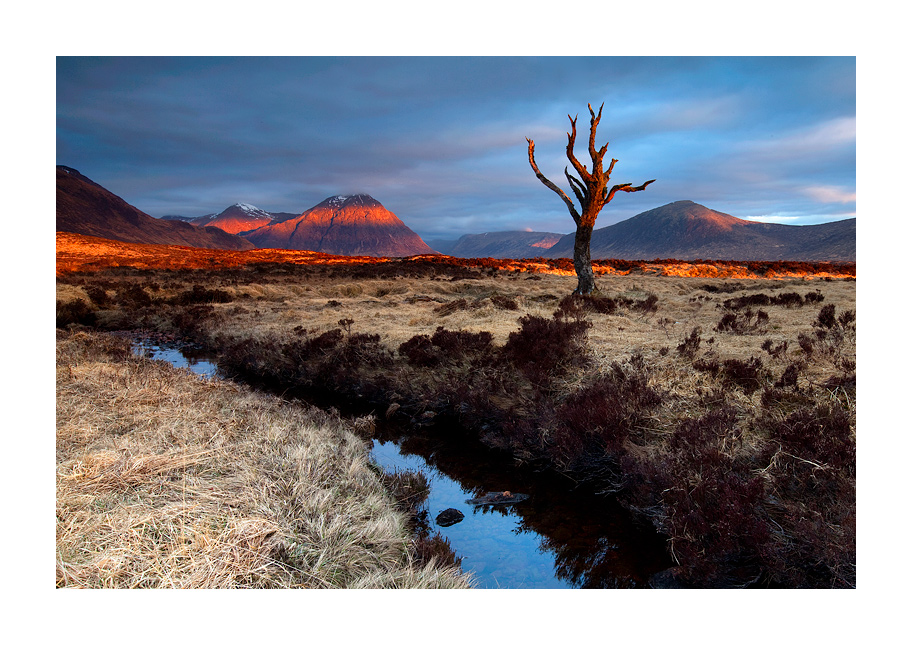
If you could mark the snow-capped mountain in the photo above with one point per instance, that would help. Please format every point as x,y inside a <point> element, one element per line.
<point>347,225</point>
<point>237,218</point>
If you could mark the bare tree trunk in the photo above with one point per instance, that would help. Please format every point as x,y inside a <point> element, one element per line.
<point>591,190</point>
<point>586,279</point>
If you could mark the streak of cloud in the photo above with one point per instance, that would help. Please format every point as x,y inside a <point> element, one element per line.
<point>441,141</point>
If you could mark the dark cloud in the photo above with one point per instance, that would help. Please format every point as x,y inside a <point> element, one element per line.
<point>441,141</point>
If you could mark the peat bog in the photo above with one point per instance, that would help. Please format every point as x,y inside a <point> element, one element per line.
<point>719,411</point>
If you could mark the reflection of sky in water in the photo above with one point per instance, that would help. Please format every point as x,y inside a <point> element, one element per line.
<point>492,546</point>
<point>175,358</point>
<point>490,540</point>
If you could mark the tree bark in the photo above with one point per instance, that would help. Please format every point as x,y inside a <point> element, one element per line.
<point>586,279</point>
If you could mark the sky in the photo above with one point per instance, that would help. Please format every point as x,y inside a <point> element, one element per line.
<point>441,141</point>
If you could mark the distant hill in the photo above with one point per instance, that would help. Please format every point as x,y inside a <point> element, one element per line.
<point>237,218</point>
<point>90,209</point>
<point>688,231</point>
<point>499,244</point>
<point>346,225</point>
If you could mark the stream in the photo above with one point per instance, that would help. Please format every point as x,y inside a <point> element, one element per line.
<point>562,536</point>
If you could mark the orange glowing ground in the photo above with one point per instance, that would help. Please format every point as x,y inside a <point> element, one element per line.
<point>80,253</point>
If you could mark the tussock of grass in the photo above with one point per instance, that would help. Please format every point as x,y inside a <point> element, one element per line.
<point>654,399</point>
<point>166,480</point>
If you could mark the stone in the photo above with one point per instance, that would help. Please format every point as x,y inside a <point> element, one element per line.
<point>449,517</point>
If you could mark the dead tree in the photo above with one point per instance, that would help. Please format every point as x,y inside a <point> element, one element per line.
<point>593,193</point>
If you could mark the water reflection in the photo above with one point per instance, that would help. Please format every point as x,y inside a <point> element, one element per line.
<point>180,357</point>
<point>563,536</point>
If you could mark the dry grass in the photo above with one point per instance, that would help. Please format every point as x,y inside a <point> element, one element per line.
<point>167,480</point>
<point>274,309</point>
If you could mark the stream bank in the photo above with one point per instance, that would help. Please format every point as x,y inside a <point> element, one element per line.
<point>563,535</point>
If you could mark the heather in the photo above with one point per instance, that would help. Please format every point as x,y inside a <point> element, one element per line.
<point>722,410</point>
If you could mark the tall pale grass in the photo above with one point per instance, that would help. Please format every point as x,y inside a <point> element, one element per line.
<point>165,480</point>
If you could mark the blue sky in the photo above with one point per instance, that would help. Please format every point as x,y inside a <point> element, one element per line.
<point>441,141</point>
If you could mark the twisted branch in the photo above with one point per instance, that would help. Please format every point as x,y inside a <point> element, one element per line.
<point>596,157</point>
<point>627,188</point>
<point>549,184</point>
<point>571,138</point>
<point>577,186</point>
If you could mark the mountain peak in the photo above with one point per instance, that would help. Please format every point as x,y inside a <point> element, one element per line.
<point>342,201</point>
<point>348,225</point>
<point>244,206</point>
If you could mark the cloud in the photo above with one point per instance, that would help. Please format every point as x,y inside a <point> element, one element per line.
<point>829,194</point>
<point>819,138</point>
<point>799,218</point>
<point>442,140</point>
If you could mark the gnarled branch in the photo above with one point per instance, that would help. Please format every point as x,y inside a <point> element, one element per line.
<point>549,183</point>
<point>627,188</point>
<point>608,173</point>
<point>577,186</point>
<point>594,122</point>
<point>571,138</point>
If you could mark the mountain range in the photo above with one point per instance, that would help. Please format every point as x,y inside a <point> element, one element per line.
<point>237,218</point>
<point>359,225</point>
<point>688,231</point>
<point>90,209</point>
<point>498,244</point>
<point>683,230</point>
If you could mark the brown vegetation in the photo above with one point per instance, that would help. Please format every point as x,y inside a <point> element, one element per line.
<point>81,253</point>
<point>733,432</point>
<point>165,480</point>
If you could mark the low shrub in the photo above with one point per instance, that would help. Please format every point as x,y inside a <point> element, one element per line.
<point>743,323</point>
<point>75,312</point>
<point>690,345</point>
<point>602,415</point>
<point>98,295</point>
<point>133,296</point>
<point>543,349</point>
<point>831,334</point>
<point>778,351</point>
<point>747,374</point>
<point>200,295</point>
<point>713,501</point>
<point>790,376</point>
<point>784,299</point>
<point>445,346</point>
<point>822,435</point>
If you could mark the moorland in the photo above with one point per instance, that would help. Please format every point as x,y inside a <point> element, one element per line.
<point>714,400</point>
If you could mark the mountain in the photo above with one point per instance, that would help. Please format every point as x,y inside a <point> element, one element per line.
<point>90,209</point>
<point>499,244</point>
<point>345,225</point>
<point>685,230</point>
<point>237,218</point>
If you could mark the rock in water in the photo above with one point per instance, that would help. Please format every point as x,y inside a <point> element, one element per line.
<point>449,517</point>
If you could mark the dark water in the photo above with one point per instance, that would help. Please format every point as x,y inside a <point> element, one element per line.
<point>176,356</point>
<point>562,536</point>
